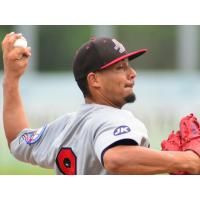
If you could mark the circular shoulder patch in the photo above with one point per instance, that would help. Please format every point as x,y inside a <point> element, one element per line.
<point>32,136</point>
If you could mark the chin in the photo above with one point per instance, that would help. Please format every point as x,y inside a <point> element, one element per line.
<point>130,98</point>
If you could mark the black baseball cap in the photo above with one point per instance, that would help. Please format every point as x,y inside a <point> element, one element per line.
<point>98,54</point>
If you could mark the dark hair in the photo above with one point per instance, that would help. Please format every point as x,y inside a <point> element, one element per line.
<point>83,85</point>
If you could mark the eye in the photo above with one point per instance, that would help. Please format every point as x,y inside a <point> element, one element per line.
<point>121,67</point>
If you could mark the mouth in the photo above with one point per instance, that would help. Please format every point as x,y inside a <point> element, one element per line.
<point>129,85</point>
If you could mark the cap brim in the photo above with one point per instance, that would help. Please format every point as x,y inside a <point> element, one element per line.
<point>130,56</point>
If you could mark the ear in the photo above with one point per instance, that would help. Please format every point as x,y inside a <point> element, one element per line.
<point>93,80</point>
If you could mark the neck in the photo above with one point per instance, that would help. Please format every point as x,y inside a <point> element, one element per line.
<point>102,100</point>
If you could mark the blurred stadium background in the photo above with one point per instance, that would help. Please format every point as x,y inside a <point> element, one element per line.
<point>167,84</point>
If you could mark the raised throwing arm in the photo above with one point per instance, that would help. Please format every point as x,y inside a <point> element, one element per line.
<point>15,60</point>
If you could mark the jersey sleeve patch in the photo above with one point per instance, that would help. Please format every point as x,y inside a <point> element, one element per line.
<point>121,130</point>
<point>31,136</point>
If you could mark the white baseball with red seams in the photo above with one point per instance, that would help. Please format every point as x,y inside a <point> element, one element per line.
<point>21,42</point>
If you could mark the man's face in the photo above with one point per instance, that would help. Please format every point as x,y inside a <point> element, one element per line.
<point>117,83</point>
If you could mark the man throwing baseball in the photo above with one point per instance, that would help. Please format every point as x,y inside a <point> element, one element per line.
<point>100,138</point>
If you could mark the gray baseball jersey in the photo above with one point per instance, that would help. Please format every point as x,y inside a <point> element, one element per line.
<point>75,142</point>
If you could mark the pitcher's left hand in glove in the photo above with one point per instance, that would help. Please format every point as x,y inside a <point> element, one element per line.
<point>188,138</point>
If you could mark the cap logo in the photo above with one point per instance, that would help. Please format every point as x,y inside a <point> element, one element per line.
<point>118,46</point>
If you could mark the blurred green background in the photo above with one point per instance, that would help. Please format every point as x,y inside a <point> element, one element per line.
<point>57,44</point>
<point>167,81</point>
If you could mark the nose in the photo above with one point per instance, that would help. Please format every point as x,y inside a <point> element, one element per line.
<point>132,73</point>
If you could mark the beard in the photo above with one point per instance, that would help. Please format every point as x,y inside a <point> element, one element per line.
<point>130,99</point>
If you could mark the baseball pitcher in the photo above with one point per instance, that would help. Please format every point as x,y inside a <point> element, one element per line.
<point>99,138</point>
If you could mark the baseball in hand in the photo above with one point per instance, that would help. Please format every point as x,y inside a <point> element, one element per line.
<point>21,42</point>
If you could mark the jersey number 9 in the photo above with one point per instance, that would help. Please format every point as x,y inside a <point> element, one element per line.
<point>66,161</point>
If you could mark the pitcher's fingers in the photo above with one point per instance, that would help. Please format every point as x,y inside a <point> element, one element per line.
<point>5,40</point>
<point>27,52</point>
<point>13,38</point>
<point>9,41</point>
<point>18,53</point>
